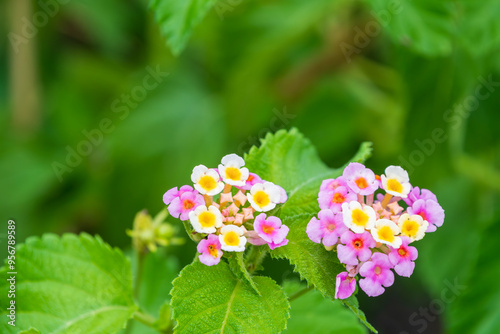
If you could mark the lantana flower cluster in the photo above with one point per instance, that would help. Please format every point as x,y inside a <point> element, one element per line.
<point>373,234</point>
<point>227,206</point>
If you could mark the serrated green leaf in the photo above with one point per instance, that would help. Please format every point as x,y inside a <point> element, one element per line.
<point>70,284</point>
<point>290,160</point>
<point>311,313</point>
<point>239,269</point>
<point>212,299</point>
<point>178,18</point>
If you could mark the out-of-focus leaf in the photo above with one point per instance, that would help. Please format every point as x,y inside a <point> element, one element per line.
<point>460,225</point>
<point>478,26</point>
<point>178,18</point>
<point>425,26</point>
<point>158,272</point>
<point>313,314</point>
<point>477,305</point>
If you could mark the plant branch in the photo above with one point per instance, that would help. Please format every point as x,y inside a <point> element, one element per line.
<point>145,319</point>
<point>300,293</point>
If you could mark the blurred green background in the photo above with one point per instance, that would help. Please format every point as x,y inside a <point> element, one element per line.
<point>420,79</point>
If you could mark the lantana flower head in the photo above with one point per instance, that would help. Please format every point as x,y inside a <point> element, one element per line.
<point>381,218</point>
<point>224,206</point>
<point>360,179</point>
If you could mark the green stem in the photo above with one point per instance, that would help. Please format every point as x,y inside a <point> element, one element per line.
<point>254,258</point>
<point>145,319</point>
<point>138,274</point>
<point>300,293</point>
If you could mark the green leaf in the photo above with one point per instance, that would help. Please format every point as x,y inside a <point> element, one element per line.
<point>158,272</point>
<point>239,269</point>
<point>177,19</point>
<point>70,284</point>
<point>212,299</point>
<point>311,313</point>
<point>478,25</point>
<point>475,303</point>
<point>30,331</point>
<point>291,161</point>
<point>425,26</point>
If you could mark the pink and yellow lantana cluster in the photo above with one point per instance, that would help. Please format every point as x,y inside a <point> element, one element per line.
<point>228,204</point>
<point>372,232</point>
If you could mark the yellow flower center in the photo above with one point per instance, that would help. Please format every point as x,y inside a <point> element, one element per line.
<point>231,239</point>
<point>359,217</point>
<point>267,229</point>
<point>207,182</point>
<point>394,185</point>
<point>377,270</point>
<point>212,250</point>
<point>207,219</point>
<point>233,173</point>
<point>410,228</point>
<point>385,233</point>
<point>361,182</point>
<point>261,198</point>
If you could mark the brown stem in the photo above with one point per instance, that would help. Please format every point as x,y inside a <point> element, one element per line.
<point>24,81</point>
